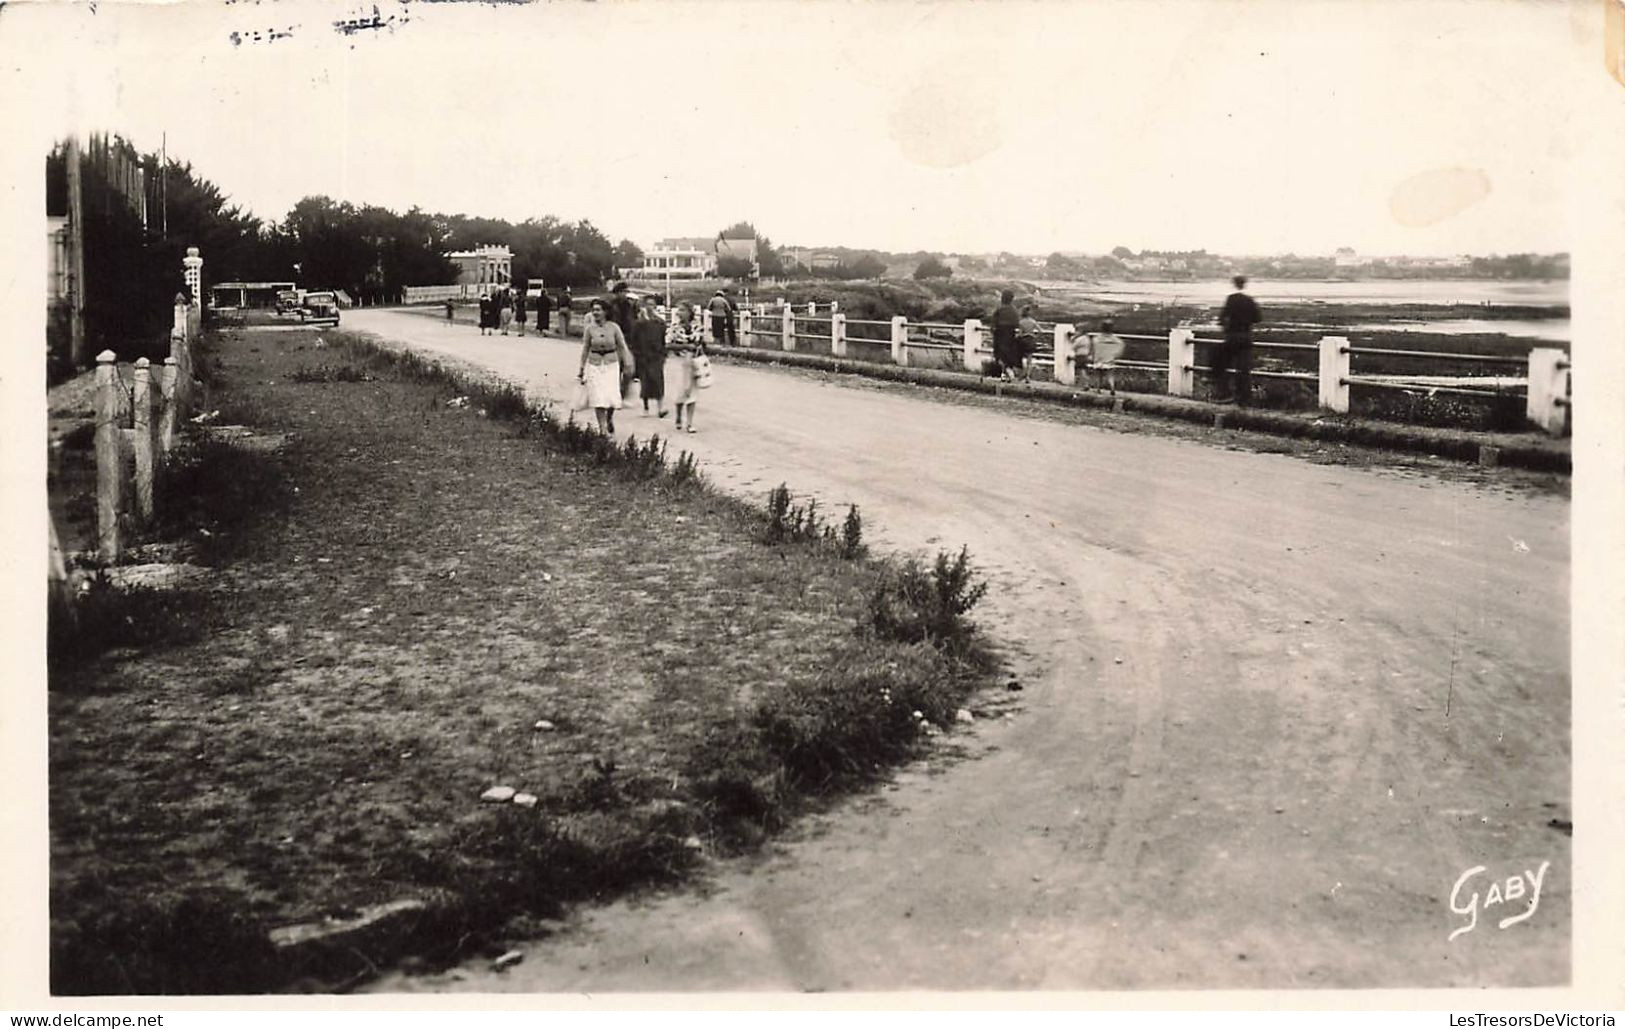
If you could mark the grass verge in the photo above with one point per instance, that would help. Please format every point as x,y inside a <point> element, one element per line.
<point>434,597</point>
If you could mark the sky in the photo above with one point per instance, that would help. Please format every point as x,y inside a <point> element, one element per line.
<point>1269,126</point>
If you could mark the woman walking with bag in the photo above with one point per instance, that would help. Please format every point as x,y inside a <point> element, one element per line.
<point>603,357</point>
<point>684,344</point>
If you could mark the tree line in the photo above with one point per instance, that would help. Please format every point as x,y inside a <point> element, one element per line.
<point>137,227</point>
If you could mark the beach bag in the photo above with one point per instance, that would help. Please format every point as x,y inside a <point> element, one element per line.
<point>702,371</point>
<point>578,398</point>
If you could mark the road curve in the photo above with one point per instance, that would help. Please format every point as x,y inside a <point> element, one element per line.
<point>1274,710</point>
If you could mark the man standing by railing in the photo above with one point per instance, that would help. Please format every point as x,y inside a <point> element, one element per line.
<point>1239,315</point>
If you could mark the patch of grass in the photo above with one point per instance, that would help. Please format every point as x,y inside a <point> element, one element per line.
<point>103,617</point>
<point>393,643</point>
<point>329,373</point>
<point>215,492</point>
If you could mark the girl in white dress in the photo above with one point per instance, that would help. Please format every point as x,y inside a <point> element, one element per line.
<point>604,355</point>
<point>684,342</point>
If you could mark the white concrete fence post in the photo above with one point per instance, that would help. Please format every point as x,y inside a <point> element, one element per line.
<point>168,421</point>
<point>1548,398</point>
<point>1066,370</point>
<point>789,329</point>
<point>744,327</point>
<point>812,307</point>
<point>837,334</point>
<point>899,340</point>
<point>973,345</point>
<point>1181,362</point>
<point>109,459</point>
<point>146,449</point>
<point>1334,373</point>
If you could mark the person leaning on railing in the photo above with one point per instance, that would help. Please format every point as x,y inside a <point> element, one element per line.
<point>1238,316</point>
<point>1006,350</point>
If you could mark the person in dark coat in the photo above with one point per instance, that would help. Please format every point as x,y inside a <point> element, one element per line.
<point>566,304</point>
<point>721,312</point>
<point>649,354</point>
<point>544,311</point>
<point>487,314</point>
<point>1238,316</point>
<point>623,313</point>
<point>519,310</point>
<point>1006,347</point>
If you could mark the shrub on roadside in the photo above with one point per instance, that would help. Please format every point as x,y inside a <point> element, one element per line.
<point>833,730</point>
<point>915,605</point>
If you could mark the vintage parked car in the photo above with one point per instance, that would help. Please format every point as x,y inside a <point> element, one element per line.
<point>320,308</point>
<point>287,301</point>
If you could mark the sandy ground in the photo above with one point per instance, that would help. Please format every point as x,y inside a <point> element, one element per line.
<point>1272,712</point>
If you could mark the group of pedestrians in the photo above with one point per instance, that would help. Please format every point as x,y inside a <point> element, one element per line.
<point>628,347</point>
<point>505,310</point>
<point>1015,341</point>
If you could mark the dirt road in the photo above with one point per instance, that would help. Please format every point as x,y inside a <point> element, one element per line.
<point>1273,712</point>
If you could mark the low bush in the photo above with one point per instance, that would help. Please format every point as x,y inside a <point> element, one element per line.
<point>818,735</point>
<point>915,605</point>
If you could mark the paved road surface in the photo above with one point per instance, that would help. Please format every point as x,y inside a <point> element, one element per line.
<point>1273,711</point>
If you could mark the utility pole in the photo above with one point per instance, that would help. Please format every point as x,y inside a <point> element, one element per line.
<point>76,256</point>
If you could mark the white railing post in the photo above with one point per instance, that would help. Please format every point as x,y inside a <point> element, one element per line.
<point>1066,372</point>
<point>1548,400</point>
<point>789,329</point>
<point>837,334</point>
<point>812,307</point>
<point>1334,373</point>
<point>145,448</point>
<point>1181,362</point>
<point>899,340</point>
<point>171,410</point>
<point>109,463</point>
<point>973,345</point>
<point>744,326</point>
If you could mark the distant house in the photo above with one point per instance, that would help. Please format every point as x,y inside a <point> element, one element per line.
<point>679,258</point>
<point>823,260</point>
<point>483,266</point>
<point>1347,258</point>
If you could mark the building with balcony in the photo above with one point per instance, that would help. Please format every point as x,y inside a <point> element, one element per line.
<point>678,258</point>
<point>483,266</point>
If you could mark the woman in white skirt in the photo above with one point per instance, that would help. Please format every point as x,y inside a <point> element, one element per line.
<point>603,356</point>
<point>684,342</point>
